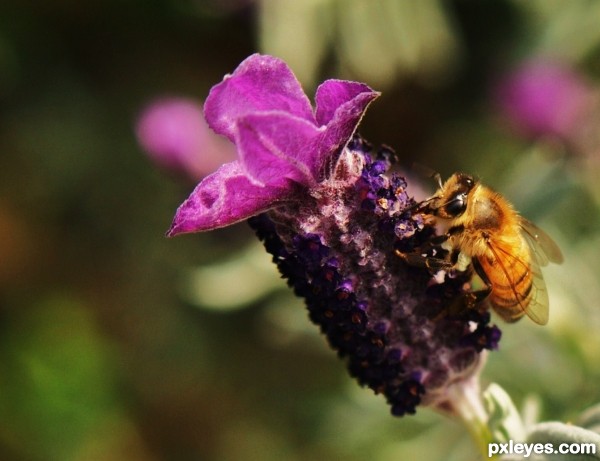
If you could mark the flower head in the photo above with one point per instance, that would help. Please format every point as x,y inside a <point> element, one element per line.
<point>176,137</point>
<point>543,97</point>
<point>323,203</point>
<point>390,321</point>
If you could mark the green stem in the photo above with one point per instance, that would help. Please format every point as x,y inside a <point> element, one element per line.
<point>465,402</point>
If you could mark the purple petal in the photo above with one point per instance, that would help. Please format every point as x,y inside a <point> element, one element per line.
<point>341,127</point>
<point>332,94</point>
<point>274,146</point>
<point>224,198</point>
<point>260,83</point>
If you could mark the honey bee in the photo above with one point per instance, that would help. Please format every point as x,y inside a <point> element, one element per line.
<point>486,233</point>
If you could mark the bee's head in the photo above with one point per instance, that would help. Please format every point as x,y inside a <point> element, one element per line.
<point>451,200</point>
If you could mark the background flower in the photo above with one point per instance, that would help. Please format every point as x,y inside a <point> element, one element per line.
<point>174,133</point>
<point>545,97</point>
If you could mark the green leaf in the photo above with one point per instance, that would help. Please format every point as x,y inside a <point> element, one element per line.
<point>504,420</point>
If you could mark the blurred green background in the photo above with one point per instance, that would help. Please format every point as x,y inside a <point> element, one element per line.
<point>119,344</point>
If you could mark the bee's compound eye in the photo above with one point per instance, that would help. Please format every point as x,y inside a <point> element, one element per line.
<point>456,206</point>
<point>467,181</point>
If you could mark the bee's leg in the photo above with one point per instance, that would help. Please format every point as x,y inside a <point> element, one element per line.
<point>419,258</point>
<point>474,298</point>
<point>437,240</point>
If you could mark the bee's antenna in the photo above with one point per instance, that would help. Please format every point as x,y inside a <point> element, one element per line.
<point>438,179</point>
<point>421,206</point>
<point>429,172</point>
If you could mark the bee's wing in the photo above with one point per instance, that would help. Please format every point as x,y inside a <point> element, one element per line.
<point>533,302</point>
<point>537,309</point>
<point>541,243</point>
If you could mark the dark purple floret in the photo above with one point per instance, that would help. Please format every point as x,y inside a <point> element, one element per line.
<point>394,326</point>
<point>484,336</point>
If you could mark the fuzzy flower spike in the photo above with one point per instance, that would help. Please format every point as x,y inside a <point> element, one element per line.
<point>319,198</point>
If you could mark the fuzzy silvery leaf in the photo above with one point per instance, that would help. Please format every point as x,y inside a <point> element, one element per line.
<point>553,435</point>
<point>504,420</point>
<point>590,419</point>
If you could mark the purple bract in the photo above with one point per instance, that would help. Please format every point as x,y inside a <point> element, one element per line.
<point>283,146</point>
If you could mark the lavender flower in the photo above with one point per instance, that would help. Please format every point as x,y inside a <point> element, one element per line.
<point>319,198</point>
<point>544,97</point>
<point>176,137</point>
